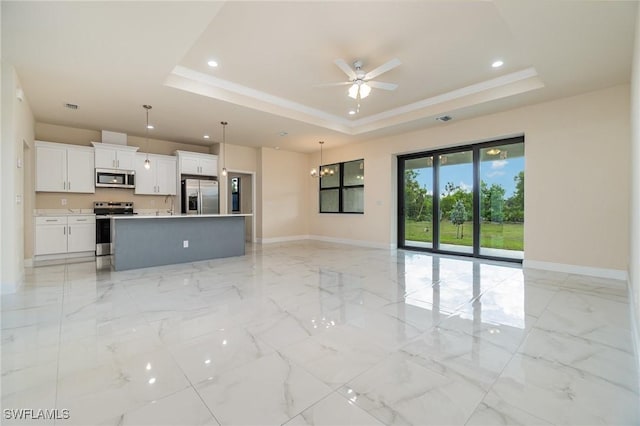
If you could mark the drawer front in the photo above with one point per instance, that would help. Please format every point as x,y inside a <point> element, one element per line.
<point>81,219</point>
<point>51,220</point>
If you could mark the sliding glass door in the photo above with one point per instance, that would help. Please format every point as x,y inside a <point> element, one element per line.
<point>467,200</point>
<point>455,181</point>
<point>502,201</point>
<point>418,201</point>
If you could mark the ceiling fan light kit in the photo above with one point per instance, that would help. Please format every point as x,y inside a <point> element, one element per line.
<point>362,82</point>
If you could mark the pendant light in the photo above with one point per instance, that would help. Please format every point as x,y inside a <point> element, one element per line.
<point>224,148</point>
<point>325,171</point>
<point>147,163</point>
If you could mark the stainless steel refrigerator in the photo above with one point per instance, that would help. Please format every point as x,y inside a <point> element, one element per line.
<point>200,196</point>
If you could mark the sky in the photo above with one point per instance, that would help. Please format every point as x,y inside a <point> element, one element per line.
<point>499,172</point>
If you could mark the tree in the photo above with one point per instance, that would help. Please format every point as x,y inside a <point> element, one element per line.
<point>416,199</point>
<point>453,194</point>
<point>514,206</point>
<point>458,216</point>
<point>492,202</point>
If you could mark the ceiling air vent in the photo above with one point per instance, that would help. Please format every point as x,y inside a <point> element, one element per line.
<point>444,118</point>
<point>70,106</point>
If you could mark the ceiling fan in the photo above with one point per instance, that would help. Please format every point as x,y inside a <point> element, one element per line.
<point>361,82</point>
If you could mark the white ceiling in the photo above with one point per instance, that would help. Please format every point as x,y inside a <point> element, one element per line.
<point>112,57</point>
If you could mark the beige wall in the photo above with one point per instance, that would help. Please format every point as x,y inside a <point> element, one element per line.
<point>576,202</point>
<point>17,140</point>
<point>239,159</point>
<point>634,211</point>
<point>284,207</point>
<point>76,136</point>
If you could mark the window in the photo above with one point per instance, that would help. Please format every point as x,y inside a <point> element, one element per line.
<point>342,187</point>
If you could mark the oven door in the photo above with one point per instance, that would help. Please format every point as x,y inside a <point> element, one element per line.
<point>103,235</point>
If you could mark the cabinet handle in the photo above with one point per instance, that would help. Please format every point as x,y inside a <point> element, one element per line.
<point>118,162</point>
<point>81,220</point>
<point>69,230</point>
<point>51,220</point>
<point>64,185</point>
<point>69,185</point>
<point>64,230</point>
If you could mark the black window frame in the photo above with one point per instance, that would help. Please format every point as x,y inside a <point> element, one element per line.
<point>340,187</point>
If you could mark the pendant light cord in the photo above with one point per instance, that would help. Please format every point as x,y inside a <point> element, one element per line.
<point>224,147</point>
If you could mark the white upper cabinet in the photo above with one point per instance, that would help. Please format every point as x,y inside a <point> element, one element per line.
<point>159,179</point>
<point>193,163</point>
<point>109,156</point>
<point>64,168</point>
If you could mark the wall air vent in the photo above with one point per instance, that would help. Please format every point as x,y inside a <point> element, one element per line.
<point>70,106</point>
<point>444,118</point>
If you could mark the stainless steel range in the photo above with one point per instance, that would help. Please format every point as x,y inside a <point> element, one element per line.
<point>104,210</point>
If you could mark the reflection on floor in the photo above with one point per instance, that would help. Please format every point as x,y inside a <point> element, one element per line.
<point>322,334</point>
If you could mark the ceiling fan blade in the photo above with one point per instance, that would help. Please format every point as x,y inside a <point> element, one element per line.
<point>382,69</point>
<point>343,83</point>
<point>383,86</point>
<point>346,68</point>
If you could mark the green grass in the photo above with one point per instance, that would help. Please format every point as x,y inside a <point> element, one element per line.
<point>508,236</point>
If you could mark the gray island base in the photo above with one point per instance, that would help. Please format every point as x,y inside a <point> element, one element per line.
<point>144,241</point>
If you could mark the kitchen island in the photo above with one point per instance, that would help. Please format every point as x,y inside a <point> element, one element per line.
<point>143,241</point>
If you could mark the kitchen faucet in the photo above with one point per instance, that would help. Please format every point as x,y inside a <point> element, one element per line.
<point>172,203</point>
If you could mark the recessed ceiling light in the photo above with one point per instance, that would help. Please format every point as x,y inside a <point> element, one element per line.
<point>150,126</point>
<point>70,105</point>
<point>444,118</point>
<point>277,147</point>
<point>283,133</point>
<point>212,63</point>
<point>206,136</point>
<point>352,112</point>
<point>497,64</point>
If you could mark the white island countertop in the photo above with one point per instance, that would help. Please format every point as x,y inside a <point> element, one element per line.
<point>174,216</point>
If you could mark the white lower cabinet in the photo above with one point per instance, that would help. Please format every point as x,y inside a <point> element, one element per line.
<point>64,234</point>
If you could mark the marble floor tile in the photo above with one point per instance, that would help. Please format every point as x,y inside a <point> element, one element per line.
<point>97,394</point>
<point>268,391</point>
<point>315,333</point>
<point>181,408</point>
<point>592,317</point>
<point>336,356</point>
<point>563,394</point>
<point>605,362</point>
<point>334,410</point>
<point>207,357</point>
<point>455,354</point>
<point>493,411</point>
<point>399,391</point>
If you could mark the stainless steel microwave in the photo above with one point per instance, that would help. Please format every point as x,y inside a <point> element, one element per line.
<point>111,178</point>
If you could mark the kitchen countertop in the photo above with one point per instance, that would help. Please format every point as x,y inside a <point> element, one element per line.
<point>175,216</point>
<point>41,213</point>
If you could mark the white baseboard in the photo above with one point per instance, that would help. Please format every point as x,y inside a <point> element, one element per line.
<point>613,274</point>
<point>635,326</point>
<point>359,243</point>
<point>281,239</point>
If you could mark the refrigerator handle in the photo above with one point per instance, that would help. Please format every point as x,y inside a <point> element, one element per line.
<point>199,211</point>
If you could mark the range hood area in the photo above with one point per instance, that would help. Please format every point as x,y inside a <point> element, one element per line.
<point>114,138</point>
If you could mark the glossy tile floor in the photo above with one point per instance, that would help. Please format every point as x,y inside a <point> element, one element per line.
<point>312,333</point>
